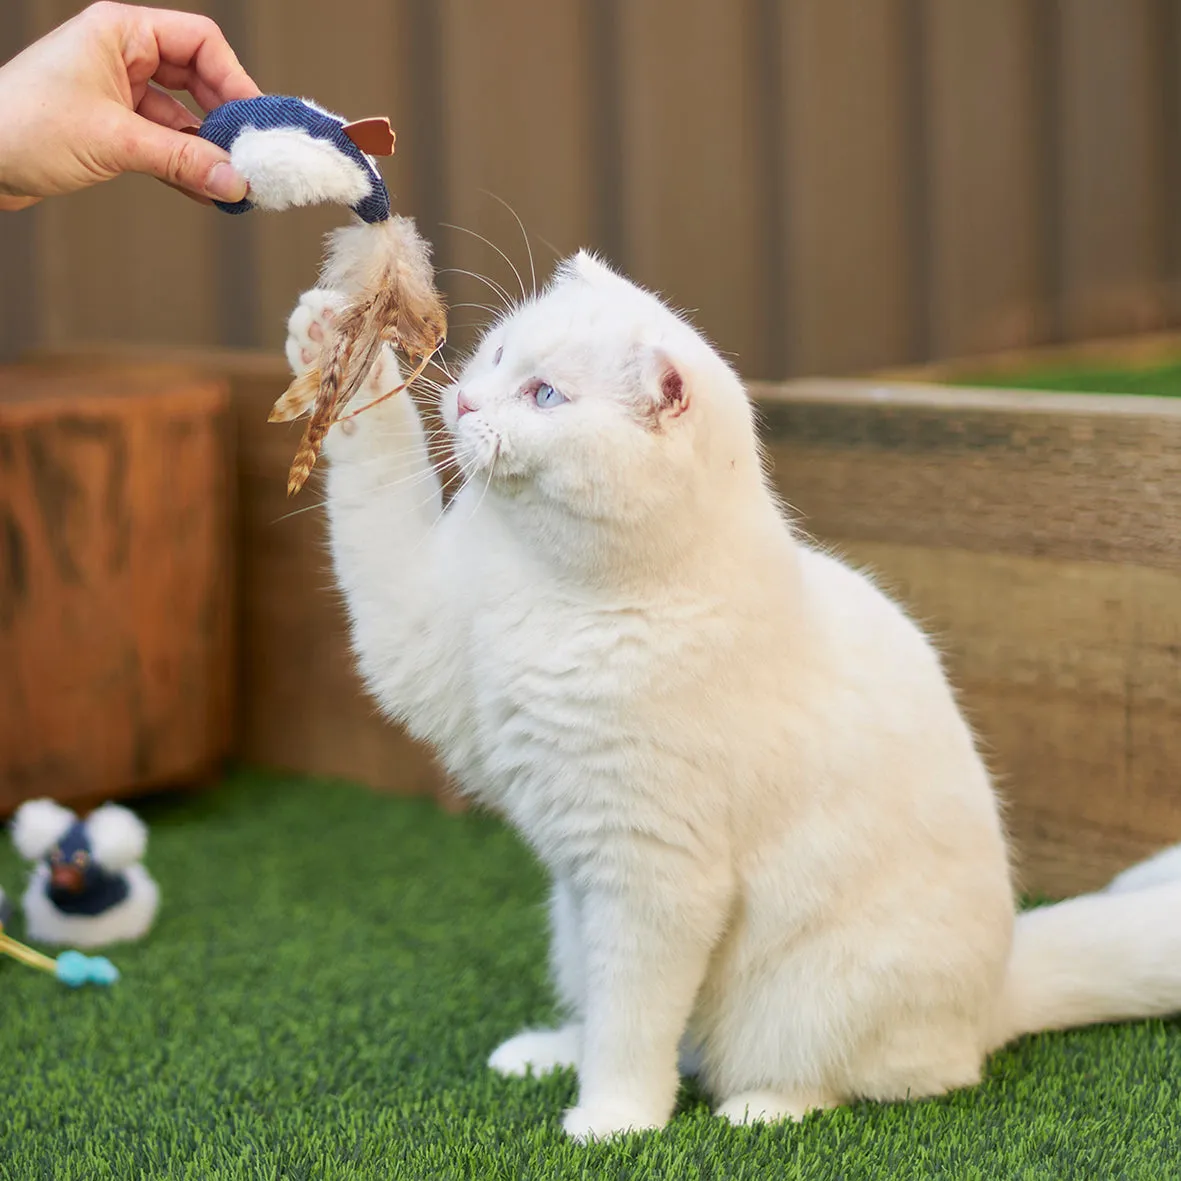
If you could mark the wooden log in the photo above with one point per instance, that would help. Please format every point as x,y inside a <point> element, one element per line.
<point>115,581</point>
<point>301,705</point>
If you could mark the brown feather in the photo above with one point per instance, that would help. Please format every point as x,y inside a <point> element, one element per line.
<point>297,399</point>
<point>393,298</point>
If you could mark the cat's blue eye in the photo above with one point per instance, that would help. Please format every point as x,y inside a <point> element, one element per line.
<point>545,395</point>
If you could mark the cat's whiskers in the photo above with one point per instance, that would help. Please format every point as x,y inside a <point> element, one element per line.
<point>532,270</point>
<point>424,382</point>
<point>480,325</point>
<point>432,392</point>
<point>408,481</point>
<point>411,461</point>
<point>462,471</point>
<point>433,398</point>
<point>491,283</point>
<point>487,242</point>
<point>442,437</point>
<point>488,482</point>
<point>483,307</point>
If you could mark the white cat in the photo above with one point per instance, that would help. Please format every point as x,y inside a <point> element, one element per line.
<point>774,847</point>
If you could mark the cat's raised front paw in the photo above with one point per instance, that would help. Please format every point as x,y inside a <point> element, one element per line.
<point>601,1121</point>
<point>539,1051</point>
<point>309,325</point>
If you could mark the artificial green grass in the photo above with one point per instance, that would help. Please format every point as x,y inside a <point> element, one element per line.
<point>1156,380</point>
<point>329,972</point>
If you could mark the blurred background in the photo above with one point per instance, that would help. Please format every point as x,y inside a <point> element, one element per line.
<point>829,185</point>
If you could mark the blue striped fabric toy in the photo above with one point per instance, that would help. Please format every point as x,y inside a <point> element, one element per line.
<point>292,152</point>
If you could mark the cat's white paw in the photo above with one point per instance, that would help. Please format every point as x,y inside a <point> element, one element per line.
<point>768,1107</point>
<point>310,324</point>
<point>539,1051</point>
<point>601,1121</point>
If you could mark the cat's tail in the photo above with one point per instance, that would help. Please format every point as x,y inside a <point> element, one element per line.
<point>1110,956</point>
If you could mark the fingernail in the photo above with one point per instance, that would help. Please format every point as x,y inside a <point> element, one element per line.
<point>224,184</point>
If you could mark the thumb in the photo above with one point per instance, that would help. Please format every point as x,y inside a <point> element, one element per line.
<point>183,160</point>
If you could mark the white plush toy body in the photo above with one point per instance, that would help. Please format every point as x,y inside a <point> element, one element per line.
<point>293,152</point>
<point>88,887</point>
<point>777,856</point>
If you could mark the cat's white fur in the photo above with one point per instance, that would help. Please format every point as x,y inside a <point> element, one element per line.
<point>118,841</point>
<point>773,844</point>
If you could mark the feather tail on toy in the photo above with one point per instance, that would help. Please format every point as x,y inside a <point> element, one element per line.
<point>385,272</point>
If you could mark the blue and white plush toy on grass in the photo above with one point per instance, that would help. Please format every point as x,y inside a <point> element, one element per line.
<point>88,887</point>
<point>292,152</point>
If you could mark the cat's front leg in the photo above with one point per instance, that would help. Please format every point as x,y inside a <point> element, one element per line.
<point>383,500</point>
<point>540,1051</point>
<point>647,937</point>
<point>381,450</point>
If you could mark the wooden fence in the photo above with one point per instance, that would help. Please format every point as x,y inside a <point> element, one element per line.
<point>831,185</point>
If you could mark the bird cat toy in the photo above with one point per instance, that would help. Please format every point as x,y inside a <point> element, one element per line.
<point>88,887</point>
<point>292,152</point>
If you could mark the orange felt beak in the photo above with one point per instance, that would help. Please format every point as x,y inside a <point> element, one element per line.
<point>66,877</point>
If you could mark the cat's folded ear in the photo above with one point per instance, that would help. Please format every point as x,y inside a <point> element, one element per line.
<point>588,265</point>
<point>665,381</point>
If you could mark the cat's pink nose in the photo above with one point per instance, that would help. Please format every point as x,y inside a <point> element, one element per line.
<point>462,405</point>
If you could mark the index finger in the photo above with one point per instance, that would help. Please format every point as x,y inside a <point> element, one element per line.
<point>195,56</point>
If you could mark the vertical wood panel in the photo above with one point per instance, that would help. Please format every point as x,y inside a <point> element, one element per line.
<point>517,124</point>
<point>131,260</point>
<point>18,321</point>
<point>827,186</point>
<point>1167,43</point>
<point>691,171</point>
<point>988,291</point>
<point>235,290</point>
<point>1112,220</point>
<point>601,18</point>
<point>852,298</point>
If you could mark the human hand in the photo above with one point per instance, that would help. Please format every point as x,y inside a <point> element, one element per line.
<point>79,106</point>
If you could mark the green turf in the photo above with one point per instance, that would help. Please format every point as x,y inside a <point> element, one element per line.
<point>331,968</point>
<point>1159,381</point>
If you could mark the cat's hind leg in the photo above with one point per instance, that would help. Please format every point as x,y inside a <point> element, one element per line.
<point>538,1051</point>
<point>765,1107</point>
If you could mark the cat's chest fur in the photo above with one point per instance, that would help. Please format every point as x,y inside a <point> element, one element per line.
<point>578,694</point>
